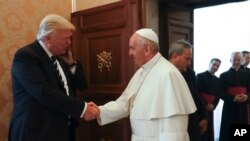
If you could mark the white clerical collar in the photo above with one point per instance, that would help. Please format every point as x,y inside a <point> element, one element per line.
<point>151,62</point>
<point>45,49</point>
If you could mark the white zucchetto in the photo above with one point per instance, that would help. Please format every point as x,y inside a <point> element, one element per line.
<point>148,34</point>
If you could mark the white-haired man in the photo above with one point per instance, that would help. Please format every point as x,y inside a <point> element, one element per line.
<point>44,78</point>
<point>234,85</point>
<point>157,98</point>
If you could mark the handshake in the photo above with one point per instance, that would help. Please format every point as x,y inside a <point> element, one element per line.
<point>92,112</point>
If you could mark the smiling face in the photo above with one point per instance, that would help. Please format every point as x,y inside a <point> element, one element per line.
<point>59,41</point>
<point>236,59</point>
<point>246,59</point>
<point>214,66</point>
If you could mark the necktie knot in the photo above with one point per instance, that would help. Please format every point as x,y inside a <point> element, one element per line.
<point>54,61</point>
<point>53,58</point>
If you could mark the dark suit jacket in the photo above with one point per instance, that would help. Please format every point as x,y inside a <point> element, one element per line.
<point>201,113</point>
<point>41,106</point>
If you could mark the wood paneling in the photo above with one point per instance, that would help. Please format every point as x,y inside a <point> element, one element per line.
<point>106,28</point>
<point>180,30</point>
<point>175,22</point>
<point>103,29</point>
<point>111,41</point>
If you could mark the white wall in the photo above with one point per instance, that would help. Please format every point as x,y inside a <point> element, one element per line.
<point>218,31</point>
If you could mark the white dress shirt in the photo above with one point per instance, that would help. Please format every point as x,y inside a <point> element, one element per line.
<point>65,82</point>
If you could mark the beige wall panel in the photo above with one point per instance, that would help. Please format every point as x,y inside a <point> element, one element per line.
<point>19,22</point>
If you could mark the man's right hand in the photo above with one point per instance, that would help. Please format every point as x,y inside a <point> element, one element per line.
<point>240,98</point>
<point>92,112</point>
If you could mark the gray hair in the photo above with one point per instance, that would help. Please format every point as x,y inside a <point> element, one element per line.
<point>51,23</point>
<point>142,41</point>
<point>236,53</point>
<point>178,47</point>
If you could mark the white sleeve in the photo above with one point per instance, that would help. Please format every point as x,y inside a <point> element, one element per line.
<point>114,110</point>
<point>174,128</point>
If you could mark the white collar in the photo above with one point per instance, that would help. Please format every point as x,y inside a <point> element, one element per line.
<point>45,49</point>
<point>151,62</point>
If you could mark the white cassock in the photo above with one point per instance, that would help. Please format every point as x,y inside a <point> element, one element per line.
<point>158,101</point>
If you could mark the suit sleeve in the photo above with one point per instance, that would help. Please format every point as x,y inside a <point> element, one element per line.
<point>34,80</point>
<point>79,80</point>
<point>201,110</point>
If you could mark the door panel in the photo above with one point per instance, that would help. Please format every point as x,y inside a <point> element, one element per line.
<point>101,43</point>
<point>175,22</point>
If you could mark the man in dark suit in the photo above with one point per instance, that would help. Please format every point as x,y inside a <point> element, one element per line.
<point>44,79</point>
<point>180,55</point>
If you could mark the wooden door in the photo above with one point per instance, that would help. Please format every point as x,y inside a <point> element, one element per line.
<point>175,22</point>
<point>101,43</point>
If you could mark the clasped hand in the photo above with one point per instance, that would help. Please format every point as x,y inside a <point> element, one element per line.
<point>240,98</point>
<point>92,112</point>
<point>210,107</point>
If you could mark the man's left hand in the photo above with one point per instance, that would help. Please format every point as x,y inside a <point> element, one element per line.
<point>203,126</point>
<point>67,58</point>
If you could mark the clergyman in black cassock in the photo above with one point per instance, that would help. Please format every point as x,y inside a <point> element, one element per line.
<point>207,86</point>
<point>234,85</point>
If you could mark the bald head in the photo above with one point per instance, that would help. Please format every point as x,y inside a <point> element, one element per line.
<point>236,59</point>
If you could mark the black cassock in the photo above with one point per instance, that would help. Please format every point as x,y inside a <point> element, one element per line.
<point>245,68</point>
<point>233,82</point>
<point>207,87</point>
<point>201,113</point>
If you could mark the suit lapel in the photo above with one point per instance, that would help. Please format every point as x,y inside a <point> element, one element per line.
<point>48,65</point>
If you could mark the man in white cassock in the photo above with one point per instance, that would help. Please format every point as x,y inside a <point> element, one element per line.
<point>157,98</point>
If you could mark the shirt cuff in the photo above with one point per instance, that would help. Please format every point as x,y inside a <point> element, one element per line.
<point>73,70</point>
<point>84,110</point>
<point>99,119</point>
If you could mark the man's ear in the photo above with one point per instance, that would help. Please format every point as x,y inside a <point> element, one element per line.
<point>147,49</point>
<point>46,39</point>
